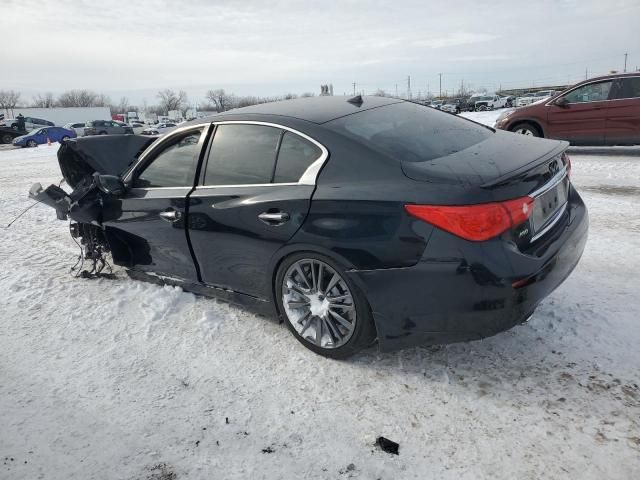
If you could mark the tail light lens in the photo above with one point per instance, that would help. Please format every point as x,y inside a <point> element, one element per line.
<point>475,222</point>
<point>567,162</point>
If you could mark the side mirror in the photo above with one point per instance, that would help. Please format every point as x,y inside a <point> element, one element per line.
<point>561,102</point>
<point>110,184</point>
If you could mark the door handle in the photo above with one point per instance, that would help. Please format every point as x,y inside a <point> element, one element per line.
<point>274,218</point>
<point>171,215</point>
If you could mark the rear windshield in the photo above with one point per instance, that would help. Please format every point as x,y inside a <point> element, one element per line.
<point>409,132</point>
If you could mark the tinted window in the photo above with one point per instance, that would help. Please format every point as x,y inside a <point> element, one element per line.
<point>175,166</point>
<point>411,133</point>
<point>242,155</point>
<point>626,88</point>
<point>294,157</point>
<point>593,92</point>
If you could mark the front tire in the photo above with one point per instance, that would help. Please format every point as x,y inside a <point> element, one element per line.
<point>322,307</point>
<point>32,144</point>
<point>526,129</point>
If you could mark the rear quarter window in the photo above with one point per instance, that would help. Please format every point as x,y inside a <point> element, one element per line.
<point>409,132</point>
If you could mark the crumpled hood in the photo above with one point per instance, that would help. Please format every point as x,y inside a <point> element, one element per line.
<point>105,154</point>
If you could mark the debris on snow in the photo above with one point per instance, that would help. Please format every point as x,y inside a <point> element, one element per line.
<point>387,445</point>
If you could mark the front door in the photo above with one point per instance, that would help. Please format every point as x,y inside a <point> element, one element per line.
<point>254,196</point>
<point>147,226</point>
<point>582,119</point>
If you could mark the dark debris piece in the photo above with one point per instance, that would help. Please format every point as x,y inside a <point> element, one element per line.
<point>387,445</point>
<point>268,450</point>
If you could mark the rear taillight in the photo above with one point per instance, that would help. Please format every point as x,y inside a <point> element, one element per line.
<point>475,222</point>
<point>567,163</point>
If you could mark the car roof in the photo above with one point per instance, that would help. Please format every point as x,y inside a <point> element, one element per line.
<point>319,109</point>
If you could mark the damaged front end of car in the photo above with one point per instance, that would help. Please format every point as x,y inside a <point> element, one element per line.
<point>92,168</point>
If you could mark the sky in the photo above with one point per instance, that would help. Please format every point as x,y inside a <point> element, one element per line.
<point>134,49</point>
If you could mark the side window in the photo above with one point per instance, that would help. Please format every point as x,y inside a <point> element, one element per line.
<point>175,166</point>
<point>242,154</point>
<point>593,92</point>
<point>626,88</point>
<point>295,156</point>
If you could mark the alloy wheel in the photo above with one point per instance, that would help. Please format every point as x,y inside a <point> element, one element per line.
<point>523,131</point>
<point>318,303</point>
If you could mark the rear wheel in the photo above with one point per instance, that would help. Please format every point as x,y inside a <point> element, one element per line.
<point>6,138</point>
<point>322,307</point>
<point>102,133</point>
<point>526,129</point>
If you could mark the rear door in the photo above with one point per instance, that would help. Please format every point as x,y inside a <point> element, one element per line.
<point>582,120</point>
<point>623,114</point>
<point>254,195</point>
<point>148,223</point>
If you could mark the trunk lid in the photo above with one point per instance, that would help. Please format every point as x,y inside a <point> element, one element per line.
<point>506,164</point>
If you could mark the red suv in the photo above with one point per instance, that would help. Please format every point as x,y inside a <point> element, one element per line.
<point>598,111</point>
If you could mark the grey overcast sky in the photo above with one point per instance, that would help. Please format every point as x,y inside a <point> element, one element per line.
<point>135,48</point>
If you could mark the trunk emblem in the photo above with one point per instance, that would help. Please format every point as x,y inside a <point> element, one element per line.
<point>554,167</point>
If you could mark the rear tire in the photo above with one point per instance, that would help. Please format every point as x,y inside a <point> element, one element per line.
<point>6,138</point>
<point>526,129</point>
<point>102,133</point>
<point>339,337</point>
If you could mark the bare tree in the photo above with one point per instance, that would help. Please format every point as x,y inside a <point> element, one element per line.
<point>102,100</point>
<point>220,99</point>
<point>123,105</point>
<point>170,100</point>
<point>308,94</point>
<point>381,93</point>
<point>78,98</point>
<point>8,100</point>
<point>290,96</point>
<point>44,101</point>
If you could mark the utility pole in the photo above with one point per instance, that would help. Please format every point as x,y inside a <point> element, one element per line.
<point>586,73</point>
<point>354,89</point>
<point>625,62</point>
<point>440,85</point>
<point>409,87</point>
<point>396,90</point>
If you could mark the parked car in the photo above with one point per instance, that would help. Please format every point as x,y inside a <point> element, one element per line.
<point>159,129</point>
<point>437,104</point>
<point>76,127</point>
<point>7,134</point>
<point>488,102</point>
<point>598,111</point>
<point>525,99</point>
<point>350,219</point>
<point>29,123</point>
<point>455,105</point>
<point>106,127</point>
<point>42,135</point>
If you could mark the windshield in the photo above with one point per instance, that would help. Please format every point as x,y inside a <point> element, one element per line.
<point>409,132</point>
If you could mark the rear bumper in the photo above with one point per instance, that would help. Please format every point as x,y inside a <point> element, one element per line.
<point>462,290</point>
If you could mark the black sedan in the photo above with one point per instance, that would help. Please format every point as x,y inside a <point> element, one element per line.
<point>351,219</point>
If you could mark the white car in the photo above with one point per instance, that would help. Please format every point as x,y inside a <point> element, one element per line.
<point>76,127</point>
<point>30,123</point>
<point>487,102</point>
<point>159,129</point>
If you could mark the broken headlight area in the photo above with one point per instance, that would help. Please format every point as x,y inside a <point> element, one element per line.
<point>91,167</point>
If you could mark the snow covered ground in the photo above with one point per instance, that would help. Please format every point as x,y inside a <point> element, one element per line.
<point>117,379</point>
